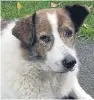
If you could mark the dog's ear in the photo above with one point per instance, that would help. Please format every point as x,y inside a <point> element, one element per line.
<point>25,29</point>
<point>78,14</point>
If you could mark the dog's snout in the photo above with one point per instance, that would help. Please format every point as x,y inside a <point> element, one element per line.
<point>69,62</point>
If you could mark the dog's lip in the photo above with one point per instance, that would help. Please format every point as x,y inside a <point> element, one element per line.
<point>65,71</point>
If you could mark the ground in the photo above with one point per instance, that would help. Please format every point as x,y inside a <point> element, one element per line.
<point>85,39</point>
<point>85,51</point>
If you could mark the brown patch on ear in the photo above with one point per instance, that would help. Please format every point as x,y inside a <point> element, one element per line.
<point>77,13</point>
<point>25,29</point>
<point>22,29</point>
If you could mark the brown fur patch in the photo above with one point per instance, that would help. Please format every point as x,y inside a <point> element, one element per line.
<point>22,29</point>
<point>64,22</point>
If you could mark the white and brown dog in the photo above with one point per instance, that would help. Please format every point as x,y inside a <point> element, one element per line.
<point>38,55</point>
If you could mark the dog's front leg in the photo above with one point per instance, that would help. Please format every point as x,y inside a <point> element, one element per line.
<point>79,92</point>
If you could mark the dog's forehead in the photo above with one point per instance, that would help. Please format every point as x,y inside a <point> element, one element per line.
<point>43,23</point>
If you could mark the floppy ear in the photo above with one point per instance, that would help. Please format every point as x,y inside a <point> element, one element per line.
<point>78,14</point>
<point>25,30</point>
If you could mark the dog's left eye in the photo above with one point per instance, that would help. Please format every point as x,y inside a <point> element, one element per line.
<point>45,38</point>
<point>68,33</point>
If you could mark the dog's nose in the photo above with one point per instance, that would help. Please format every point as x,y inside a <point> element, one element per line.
<point>69,62</point>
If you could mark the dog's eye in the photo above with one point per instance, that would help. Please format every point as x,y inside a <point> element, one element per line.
<point>68,33</point>
<point>45,38</point>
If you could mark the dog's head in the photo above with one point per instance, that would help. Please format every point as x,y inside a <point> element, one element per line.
<point>50,35</point>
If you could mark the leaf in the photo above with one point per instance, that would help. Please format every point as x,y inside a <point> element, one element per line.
<point>53,4</point>
<point>19,5</point>
<point>90,8</point>
<point>85,25</point>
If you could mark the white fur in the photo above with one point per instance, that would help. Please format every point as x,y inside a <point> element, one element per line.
<point>59,49</point>
<point>24,79</point>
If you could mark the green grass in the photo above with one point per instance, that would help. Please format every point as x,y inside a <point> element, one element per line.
<point>10,11</point>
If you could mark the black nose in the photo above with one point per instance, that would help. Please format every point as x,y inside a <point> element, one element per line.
<point>69,62</point>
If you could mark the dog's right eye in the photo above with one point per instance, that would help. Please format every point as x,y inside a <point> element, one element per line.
<point>45,38</point>
<point>68,33</point>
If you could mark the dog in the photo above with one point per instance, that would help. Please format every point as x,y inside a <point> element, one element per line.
<point>39,59</point>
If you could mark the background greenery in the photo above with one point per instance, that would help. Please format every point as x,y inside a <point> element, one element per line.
<point>9,11</point>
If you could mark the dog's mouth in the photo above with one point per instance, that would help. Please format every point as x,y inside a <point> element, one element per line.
<point>65,71</point>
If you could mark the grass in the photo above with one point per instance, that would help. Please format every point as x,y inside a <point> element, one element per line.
<point>9,11</point>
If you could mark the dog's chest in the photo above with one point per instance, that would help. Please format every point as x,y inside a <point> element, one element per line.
<point>33,86</point>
